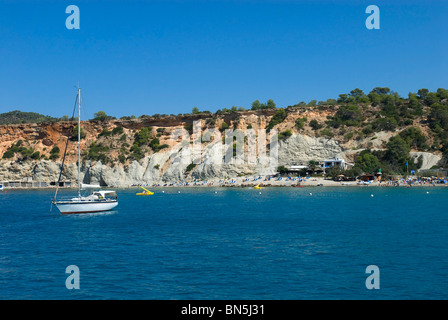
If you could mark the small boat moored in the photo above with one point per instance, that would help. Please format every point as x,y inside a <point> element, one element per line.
<point>97,201</point>
<point>146,193</point>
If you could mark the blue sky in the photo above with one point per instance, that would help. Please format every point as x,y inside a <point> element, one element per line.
<point>147,57</point>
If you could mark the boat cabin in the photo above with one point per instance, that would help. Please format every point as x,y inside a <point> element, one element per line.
<point>105,195</point>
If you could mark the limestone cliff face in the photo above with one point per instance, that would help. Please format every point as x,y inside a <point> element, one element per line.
<point>304,148</point>
<point>118,164</point>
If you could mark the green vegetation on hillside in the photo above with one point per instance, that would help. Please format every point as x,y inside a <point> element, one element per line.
<point>277,118</point>
<point>98,152</point>
<point>74,136</point>
<point>257,105</point>
<point>19,117</point>
<point>102,116</point>
<point>23,152</point>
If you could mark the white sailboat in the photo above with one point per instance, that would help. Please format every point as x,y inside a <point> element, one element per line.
<point>97,201</point>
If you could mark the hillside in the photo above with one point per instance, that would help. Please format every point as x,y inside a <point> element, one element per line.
<point>378,130</point>
<point>18,117</point>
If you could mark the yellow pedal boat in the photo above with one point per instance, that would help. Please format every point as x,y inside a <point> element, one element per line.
<point>146,193</point>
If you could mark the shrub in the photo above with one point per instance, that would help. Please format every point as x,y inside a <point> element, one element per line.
<point>282,170</point>
<point>256,105</point>
<point>190,167</point>
<point>397,153</point>
<point>349,135</point>
<point>98,152</point>
<point>35,155</point>
<point>55,150</point>
<point>142,137</point>
<point>54,156</point>
<point>224,126</point>
<point>8,154</point>
<point>367,162</point>
<point>284,135</point>
<point>414,137</point>
<point>102,116</point>
<point>438,117</point>
<point>156,146</point>
<point>54,153</point>
<point>26,152</point>
<point>349,115</point>
<point>346,113</point>
<point>117,130</point>
<point>315,124</point>
<point>277,118</point>
<point>384,124</point>
<point>300,123</point>
<point>105,133</point>
<point>154,143</point>
<point>136,152</point>
<point>163,146</point>
<point>327,132</point>
<point>368,129</point>
<point>74,136</point>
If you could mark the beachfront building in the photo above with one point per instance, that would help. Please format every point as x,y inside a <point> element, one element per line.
<point>301,168</point>
<point>336,162</point>
<point>319,166</point>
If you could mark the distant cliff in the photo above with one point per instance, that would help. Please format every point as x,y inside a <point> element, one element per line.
<point>124,152</point>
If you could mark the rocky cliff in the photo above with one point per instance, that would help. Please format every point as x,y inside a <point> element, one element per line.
<point>160,149</point>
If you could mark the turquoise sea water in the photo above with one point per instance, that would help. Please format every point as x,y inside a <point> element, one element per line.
<point>230,243</point>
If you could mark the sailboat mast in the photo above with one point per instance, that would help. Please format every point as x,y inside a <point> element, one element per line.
<point>79,143</point>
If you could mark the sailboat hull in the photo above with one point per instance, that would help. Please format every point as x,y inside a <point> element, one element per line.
<point>76,207</point>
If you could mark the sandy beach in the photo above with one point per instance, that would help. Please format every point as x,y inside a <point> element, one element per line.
<point>264,181</point>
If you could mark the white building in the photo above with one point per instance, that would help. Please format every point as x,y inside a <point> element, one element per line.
<point>335,162</point>
<point>321,165</point>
